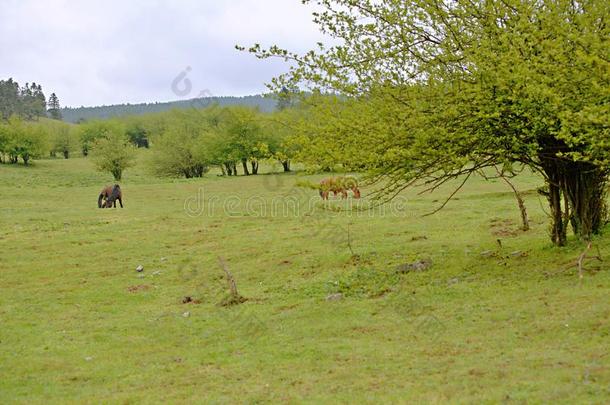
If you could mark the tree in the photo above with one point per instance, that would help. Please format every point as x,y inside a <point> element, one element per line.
<point>28,102</point>
<point>9,98</point>
<point>137,135</point>
<point>179,153</point>
<point>113,153</point>
<point>281,129</point>
<point>22,140</point>
<point>442,90</point>
<point>63,137</point>
<point>4,141</point>
<point>54,109</point>
<point>244,137</point>
<point>91,131</point>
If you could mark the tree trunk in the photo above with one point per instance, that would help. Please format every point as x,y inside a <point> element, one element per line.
<point>582,187</point>
<point>244,163</point>
<point>585,188</point>
<point>66,154</point>
<point>26,158</point>
<point>286,164</point>
<point>254,165</point>
<point>558,225</point>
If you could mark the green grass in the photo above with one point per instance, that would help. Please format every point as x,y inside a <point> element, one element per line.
<point>471,329</point>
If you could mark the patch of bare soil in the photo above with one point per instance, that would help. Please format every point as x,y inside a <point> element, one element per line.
<point>137,288</point>
<point>503,227</point>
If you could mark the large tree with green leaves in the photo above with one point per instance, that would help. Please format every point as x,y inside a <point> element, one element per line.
<point>440,90</point>
<point>243,137</point>
<point>113,153</point>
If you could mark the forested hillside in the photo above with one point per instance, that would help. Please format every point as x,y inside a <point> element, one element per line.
<point>28,101</point>
<point>265,104</point>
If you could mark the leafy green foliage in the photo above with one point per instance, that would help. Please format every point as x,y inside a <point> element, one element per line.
<point>113,153</point>
<point>20,139</point>
<point>92,131</point>
<point>432,91</point>
<point>63,137</point>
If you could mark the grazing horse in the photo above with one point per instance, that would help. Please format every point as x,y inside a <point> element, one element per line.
<point>338,185</point>
<point>110,194</point>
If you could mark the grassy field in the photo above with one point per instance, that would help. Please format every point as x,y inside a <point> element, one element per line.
<point>484,324</point>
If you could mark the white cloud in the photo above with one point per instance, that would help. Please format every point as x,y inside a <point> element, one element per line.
<point>92,52</point>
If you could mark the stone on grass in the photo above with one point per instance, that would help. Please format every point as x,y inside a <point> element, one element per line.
<point>417,266</point>
<point>335,297</point>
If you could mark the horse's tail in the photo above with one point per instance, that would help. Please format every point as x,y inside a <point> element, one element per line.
<point>99,200</point>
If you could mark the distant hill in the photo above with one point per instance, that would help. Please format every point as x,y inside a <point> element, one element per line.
<point>265,104</point>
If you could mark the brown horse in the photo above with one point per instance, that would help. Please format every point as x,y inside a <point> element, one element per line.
<point>109,196</point>
<point>338,185</point>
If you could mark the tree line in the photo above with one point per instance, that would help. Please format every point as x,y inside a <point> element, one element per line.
<point>80,114</point>
<point>183,142</point>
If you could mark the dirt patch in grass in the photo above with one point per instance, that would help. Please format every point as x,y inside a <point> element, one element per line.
<point>138,288</point>
<point>503,227</point>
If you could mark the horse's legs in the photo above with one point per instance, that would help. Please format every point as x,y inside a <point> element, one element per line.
<point>120,202</point>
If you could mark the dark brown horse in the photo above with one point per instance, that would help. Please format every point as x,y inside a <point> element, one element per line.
<point>339,185</point>
<point>109,196</point>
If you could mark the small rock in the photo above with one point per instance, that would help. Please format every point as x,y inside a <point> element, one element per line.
<point>488,253</point>
<point>163,259</point>
<point>186,299</point>
<point>335,297</point>
<point>419,265</point>
<point>156,273</point>
<point>453,281</point>
<point>88,358</point>
<point>140,268</point>
<point>186,314</point>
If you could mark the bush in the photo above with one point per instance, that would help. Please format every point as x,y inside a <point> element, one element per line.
<point>180,154</point>
<point>113,153</point>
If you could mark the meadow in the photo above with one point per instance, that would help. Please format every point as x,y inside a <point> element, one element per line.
<point>488,322</point>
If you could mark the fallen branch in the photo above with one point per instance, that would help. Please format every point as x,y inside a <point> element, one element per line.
<point>233,298</point>
<point>581,259</point>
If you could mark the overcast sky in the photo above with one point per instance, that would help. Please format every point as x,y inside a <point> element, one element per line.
<point>119,51</point>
